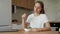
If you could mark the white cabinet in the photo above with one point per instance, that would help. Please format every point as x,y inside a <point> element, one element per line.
<point>5,12</point>
<point>5,15</point>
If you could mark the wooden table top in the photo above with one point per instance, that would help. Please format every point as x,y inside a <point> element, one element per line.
<point>23,32</point>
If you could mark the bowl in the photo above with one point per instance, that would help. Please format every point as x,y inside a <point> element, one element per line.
<point>27,30</point>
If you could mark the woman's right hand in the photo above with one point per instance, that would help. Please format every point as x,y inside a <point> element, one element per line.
<point>23,20</point>
<point>24,16</point>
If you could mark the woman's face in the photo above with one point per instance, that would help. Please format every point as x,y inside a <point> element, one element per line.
<point>37,8</point>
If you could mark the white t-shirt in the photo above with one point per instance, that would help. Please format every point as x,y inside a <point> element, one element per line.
<point>37,21</point>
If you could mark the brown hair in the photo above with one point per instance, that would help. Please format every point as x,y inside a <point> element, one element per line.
<point>42,6</point>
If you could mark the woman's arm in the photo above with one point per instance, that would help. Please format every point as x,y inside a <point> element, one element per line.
<point>24,24</point>
<point>46,28</point>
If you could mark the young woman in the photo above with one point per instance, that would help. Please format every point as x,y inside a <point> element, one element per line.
<point>37,20</point>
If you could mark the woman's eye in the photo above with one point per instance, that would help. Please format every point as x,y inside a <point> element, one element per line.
<point>38,8</point>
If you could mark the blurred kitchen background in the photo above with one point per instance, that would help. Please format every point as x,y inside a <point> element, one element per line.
<point>52,10</point>
<point>15,9</point>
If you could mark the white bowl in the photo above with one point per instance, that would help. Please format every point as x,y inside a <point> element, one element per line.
<point>27,30</point>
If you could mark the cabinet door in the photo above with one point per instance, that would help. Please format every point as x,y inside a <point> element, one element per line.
<point>20,3</point>
<point>14,2</point>
<point>30,4</point>
<point>5,12</point>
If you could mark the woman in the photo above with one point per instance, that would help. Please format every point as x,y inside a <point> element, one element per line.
<point>38,20</point>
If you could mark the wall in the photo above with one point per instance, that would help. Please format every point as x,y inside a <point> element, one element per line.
<point>18,13</point>
<point>52,9</point>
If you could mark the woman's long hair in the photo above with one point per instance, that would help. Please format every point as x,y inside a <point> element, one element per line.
<point>42,6</point>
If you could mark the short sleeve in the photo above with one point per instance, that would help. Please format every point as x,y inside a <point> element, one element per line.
<point>28,19</point>
<point>45,19</point>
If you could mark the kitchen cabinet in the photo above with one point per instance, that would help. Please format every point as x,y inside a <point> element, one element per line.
<point>29,4</point>
<point>56,25</point>
<point>5,15</point>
